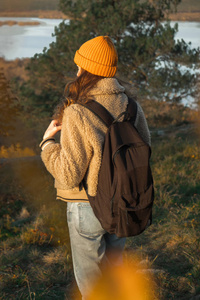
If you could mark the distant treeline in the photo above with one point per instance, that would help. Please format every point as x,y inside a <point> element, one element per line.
<point>28,5</point>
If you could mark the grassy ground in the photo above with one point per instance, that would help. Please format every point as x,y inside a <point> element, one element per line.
<point>42,14</point>
<point>172,243</point>
<point>35,256</point>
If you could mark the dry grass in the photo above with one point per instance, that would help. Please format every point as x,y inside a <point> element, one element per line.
<point>15,151</point>
<point>161,114</point>
<point>35,256</point>
<point>12,23</point>
<point>185,16</point>
<point>15,68</point>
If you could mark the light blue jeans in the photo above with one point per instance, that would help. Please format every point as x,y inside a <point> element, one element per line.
<point>92,247</point>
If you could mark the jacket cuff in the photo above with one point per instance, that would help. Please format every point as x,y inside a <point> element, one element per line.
<point>43,144</point>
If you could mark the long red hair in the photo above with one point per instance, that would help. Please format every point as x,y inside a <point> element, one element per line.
<point>77,91</point>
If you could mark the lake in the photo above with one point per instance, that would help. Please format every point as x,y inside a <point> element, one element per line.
<point>24,41</point>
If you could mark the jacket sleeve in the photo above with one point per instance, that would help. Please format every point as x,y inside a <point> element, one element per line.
<point>68,161</point>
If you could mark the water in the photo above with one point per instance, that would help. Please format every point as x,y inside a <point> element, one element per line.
<point>189,32</point>
<point>24,41</point>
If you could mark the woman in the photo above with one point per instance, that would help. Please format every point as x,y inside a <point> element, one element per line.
<point>78,156</point>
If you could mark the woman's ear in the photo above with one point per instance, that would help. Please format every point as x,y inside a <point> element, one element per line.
<point>79,71</point>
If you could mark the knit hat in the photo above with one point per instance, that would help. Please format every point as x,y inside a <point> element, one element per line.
<point>98,56</point>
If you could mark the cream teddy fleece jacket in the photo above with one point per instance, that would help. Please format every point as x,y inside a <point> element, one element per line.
<point>79,153</point>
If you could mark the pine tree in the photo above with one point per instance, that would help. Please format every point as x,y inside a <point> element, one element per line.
<point>149,55</point>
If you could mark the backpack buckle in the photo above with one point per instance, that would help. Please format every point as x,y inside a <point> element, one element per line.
<point>127,116</point>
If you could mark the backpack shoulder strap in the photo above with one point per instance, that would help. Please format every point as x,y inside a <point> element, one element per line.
<point>100,111</point>
<point>103,114</point>
<point>132,109</point>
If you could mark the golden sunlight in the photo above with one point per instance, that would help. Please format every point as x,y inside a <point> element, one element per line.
<point>127,282</point>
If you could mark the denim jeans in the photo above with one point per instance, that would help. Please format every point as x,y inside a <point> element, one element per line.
<point>92,247</point>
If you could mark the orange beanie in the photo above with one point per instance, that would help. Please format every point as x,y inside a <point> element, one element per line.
<point>98,56</point>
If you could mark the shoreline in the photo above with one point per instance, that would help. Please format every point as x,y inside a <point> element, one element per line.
<point>12,23</point>
<point>41,14</point>
<point>185,17</point>
<point>55,14</point>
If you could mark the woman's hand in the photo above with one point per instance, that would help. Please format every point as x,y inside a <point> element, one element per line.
<point>53,128</point>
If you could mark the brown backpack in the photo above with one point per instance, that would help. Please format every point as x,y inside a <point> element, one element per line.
<point>125,192</point>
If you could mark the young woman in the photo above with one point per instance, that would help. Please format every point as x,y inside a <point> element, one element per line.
<point>78,156</point>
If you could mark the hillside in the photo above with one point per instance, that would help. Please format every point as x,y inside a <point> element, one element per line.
<point>28,5</point>
<point>189,6</point>
<point>187,10</point>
